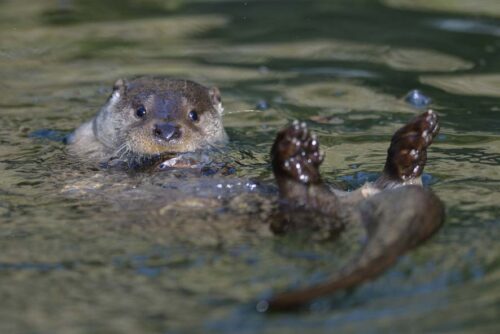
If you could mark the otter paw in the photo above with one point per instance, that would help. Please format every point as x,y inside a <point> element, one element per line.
<point>295,154</point>
<point>407,154</point>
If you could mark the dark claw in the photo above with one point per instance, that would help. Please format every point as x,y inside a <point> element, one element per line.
<point>407,154</point>
<point>295,154</point>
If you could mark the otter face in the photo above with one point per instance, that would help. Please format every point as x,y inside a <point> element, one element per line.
<point>156,116</point>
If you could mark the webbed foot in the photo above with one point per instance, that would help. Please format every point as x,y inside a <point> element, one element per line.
<point>407,154</point>
<point>295,155</point>
<point>305,203</point>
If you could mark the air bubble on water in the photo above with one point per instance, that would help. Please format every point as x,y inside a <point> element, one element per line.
<point>417,99</point>
<point>263,69</point>
<point>262,105</point>
<point>262,306</point>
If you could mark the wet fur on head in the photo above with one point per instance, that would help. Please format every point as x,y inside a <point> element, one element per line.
<point>164,101</point>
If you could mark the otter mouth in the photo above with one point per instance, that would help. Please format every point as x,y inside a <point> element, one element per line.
<point>137,161</point>
<point>163,161</point>
<point>145,152</point>
<point>179,162</point>
<point>186,160</point>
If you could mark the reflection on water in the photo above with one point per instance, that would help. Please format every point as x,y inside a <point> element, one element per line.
<point>482,7</point>
<point>404,59</point>
<point>468,26</point>
<point>478,85</point>
<point>83,250</point>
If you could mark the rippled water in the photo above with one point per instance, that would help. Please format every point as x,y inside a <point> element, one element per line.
<point>84,251</point>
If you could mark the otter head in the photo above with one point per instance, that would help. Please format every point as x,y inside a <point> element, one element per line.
<point>159,116</point>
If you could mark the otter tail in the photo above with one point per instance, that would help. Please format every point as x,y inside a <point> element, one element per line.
<point>396,221</point>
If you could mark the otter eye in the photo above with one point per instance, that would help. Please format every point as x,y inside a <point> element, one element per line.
<point>140,112</point>
<point>193,115</point>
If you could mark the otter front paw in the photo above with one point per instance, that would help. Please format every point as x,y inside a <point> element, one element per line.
<point>295,154</point>
<point>407,155</point>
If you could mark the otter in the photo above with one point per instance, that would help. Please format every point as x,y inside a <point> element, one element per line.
<point>152,119</point>
<point>149,119</point>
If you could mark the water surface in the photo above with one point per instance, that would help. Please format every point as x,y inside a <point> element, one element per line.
<point>83,250</point>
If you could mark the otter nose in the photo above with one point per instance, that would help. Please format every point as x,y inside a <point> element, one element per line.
<point>167,131</point>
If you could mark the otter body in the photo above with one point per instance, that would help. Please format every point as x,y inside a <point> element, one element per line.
<point>150,119</point>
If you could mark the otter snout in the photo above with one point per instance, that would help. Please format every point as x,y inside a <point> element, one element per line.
<point>167,131</point>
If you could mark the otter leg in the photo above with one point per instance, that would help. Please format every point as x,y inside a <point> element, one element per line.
<point>407,154</point>
<point>304,200</point>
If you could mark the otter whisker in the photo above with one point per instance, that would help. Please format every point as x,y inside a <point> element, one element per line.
<point>121,150</point>
<point>126,151</point>
<point>214,148</point>
<point>242,111</point>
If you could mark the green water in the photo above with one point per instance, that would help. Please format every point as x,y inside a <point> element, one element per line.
<point>87,251</point>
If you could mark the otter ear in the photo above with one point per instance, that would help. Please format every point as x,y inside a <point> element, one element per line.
<point>216,99</point>
<point>120,84</point>
<point>119,89</point>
